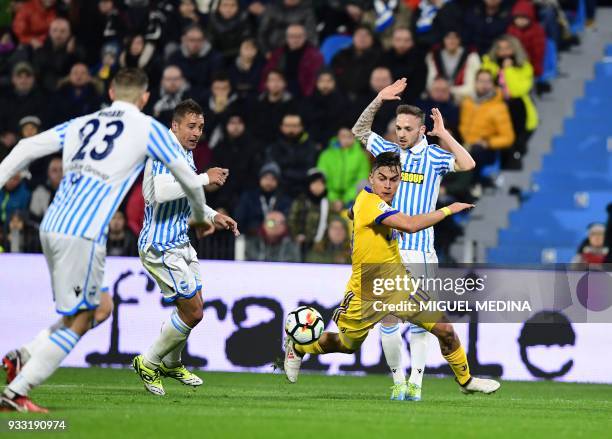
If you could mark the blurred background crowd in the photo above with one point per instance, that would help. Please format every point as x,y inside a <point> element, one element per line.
<point>281,83</point>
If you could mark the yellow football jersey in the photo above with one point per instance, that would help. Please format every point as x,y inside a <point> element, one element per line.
<point>373,242</point>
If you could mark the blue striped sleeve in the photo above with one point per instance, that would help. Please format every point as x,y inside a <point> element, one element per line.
<point>160,146</point>
<point>441,160</point>
<point>377,145</point>
<point>61,132</point>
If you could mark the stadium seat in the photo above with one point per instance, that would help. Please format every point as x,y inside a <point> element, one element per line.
<point>577,18</point>
<point>550,61</point>
<point>333,44</point>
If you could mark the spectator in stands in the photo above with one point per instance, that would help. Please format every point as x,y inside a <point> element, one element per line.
<point>405,60</point>
<point>335,247</point>
<point>485,22</point>
<point>433,19</point>
<point>22,99</point>
<point>44,193</point>
<point>273,243</point>
<point>271,106</point>
<point>15,195</point>
<point>77,95</point>
<point>299,61</point>
<point>454,63</point>
<point>238,151</point>
<point>245,70</point>
<point>484,123</point>
<point>141,53</point>
<point>309,213</point>
<point>58,54</point>
<point>105,70</point>
<point>9,56</point>
<point>197,59</point>
<point>530,33</point>
<point>439,96</point>
<point>278,16</point>
<point>294,152</point>
<point>379,78</point>
<point>593,250</point>
<point>352,66</point>
<point>255,204</point>
<point>29,126</point>
<point>228,26</point>
<point>172,90</point>
<point>221,102</point>
<point>608,238</point>
<point>344,164</point>
<point>325,109</point>
<point>121,241</point>
<point>384,17</point>
<point>21,236</point>
<point>510,67</point>
<point>32,21</point>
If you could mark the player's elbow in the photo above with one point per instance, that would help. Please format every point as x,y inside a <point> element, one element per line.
<point>471,164</point>
<point>410,227</point>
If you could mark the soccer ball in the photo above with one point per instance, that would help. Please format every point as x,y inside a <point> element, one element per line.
<point>304,325</point>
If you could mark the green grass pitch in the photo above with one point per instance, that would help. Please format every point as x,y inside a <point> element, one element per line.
<point>111,403</point>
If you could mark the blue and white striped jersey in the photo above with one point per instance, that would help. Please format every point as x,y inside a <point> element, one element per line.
<point>103,153</point>
<point>165,224</point>
<point>423,166</point>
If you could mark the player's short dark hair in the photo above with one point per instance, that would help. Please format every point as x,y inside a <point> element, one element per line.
<point>220,76</point>
<point>412,110</point>
<point>188,106</point>
<point>277,72</point>
<point>130,77</point>
<point>387,159</point>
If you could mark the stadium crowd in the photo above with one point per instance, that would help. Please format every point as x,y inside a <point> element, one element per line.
<point>281,83</point>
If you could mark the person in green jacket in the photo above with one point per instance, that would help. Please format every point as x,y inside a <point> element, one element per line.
<point>344,164</point>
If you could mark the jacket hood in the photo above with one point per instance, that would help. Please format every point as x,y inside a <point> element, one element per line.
<point>524,9</point>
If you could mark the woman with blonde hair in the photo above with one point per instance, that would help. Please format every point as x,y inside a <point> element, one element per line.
<point>508,63</point>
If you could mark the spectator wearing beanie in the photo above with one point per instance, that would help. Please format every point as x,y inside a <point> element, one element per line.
<point>309,213</point>
<point>255,204</point>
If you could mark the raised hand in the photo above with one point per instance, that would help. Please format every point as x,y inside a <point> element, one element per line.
<point>392,92</point>
<point>438,123</point>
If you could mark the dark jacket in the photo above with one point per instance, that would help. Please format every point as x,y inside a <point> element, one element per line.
<point>352,70</point>
<point>227,35</point>
<point>277,17</point>
<point>294,159</point>
<point>52,64</point>
<point>410,65</point>
<point>481,30</point>
<point>198,69</point>
<point>255,204</point>
<point>265,117</point>
<point>72,102</point>
<point>246,82</point>
<point>13,107</point>
<point>325,114</point>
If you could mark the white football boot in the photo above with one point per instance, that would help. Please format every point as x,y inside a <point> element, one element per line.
<point>479,385</point>
<point>293,361</point>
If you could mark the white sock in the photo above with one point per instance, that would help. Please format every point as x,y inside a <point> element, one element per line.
<point>173,332</point>
<point>392,342</point>
<point>28,349</point>
<point>173,358</point>
<point>44,360</point>
<point>418,354</point>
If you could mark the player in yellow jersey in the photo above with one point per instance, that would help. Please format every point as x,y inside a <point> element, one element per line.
<point>377,263</point>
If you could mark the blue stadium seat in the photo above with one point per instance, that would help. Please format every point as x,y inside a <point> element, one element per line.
<point>333,44</point>
<point>578,19</point>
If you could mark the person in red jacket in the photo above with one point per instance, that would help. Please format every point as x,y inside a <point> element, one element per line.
<point>32,21</point>
<point>299,60</point>
<point>530,33</point>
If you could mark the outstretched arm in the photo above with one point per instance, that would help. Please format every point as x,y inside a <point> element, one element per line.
<point>412,224</point>
<point>363,127</point>
<point>30,149</point>
<point>463,159</point>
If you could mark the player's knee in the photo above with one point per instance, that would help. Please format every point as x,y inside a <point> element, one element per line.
<point>390,320</point>
<point>194,316</point>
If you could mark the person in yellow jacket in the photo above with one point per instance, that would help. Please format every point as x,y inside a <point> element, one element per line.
<point>484,123</point>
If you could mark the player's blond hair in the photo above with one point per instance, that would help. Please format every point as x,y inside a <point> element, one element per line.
<point>129,84</point>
